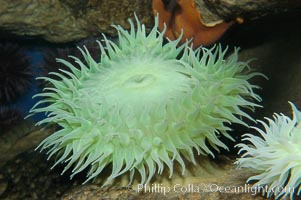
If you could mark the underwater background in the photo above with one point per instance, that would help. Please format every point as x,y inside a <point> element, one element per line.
<point>273,40</point>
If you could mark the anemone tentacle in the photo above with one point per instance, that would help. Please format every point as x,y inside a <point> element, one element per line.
<point>275,155</point>
<point>145,105</point>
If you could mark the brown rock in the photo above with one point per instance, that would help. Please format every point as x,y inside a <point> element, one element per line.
<point>64,21</point>
<point>208,179</point>
<point>70,20</point>
<point>3,184</point>
<point>249,9</point>
<point>19,139</point>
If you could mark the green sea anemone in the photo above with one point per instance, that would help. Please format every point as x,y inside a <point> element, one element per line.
<point>145,105</point>
<point>275,156</point>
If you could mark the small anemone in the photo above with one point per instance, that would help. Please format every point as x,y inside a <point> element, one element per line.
<point>275,156</point>
<point>145,105</point>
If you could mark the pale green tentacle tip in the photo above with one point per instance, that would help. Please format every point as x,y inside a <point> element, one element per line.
<point>147,105</point>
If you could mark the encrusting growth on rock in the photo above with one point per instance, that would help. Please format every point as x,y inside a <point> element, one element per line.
<point>182,15</point>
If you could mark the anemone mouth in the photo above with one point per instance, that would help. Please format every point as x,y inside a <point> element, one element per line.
<point>141,84</point>
<point>144,106</point>
<point>139,81</point>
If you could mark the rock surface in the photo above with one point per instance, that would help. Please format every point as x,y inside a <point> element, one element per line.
<point>29,176</point>
<point>65,21</point>
<point>208,179</point>
<point>227,9</point>
<point>19,139</point>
